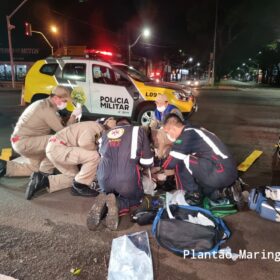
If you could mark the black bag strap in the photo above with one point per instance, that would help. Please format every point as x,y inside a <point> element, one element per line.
<point>271,203</point>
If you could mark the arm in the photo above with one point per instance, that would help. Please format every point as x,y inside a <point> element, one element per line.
<point>144,149</point>
<point>53,120</point>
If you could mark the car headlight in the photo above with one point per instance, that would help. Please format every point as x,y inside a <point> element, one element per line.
<point>188,82</point>
<point>182,95</point>
<point>196,83</point>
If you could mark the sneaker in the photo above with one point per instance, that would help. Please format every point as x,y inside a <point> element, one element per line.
<point>97,212</point>
<point>194,199</point>
<point>3,165</point>
<point>79,189</point>
<point>38,181</point>
<point>112,218</point>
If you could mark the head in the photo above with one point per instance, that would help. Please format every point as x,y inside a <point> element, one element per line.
<point>60,96</point>
<point>161,102</point>
<point>173,126</point>
<point>110,123</point>
<point>123,121</point>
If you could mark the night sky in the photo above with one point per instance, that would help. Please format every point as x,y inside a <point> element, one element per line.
<point>243,26</point>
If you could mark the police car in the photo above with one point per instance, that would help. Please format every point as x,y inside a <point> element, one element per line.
<point>111,89</point>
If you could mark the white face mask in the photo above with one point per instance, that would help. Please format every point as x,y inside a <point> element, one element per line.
<point>171,139</point>
<point>61,106</point>
<point>161,108</point>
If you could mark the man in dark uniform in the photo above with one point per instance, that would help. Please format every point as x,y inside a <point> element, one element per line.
<point>123,149</point>
<point>202,163</point>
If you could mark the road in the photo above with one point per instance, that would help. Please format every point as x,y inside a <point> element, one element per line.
<point>45,237</point>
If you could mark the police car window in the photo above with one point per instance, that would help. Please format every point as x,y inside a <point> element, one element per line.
<point>121,80</point>
<point>103,75</point>
<point>49,69</point>
<point>74,71</point>
<point>133,73</point>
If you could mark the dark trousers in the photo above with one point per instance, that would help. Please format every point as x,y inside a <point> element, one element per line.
<point>205,175</point>
<point>127,187</point>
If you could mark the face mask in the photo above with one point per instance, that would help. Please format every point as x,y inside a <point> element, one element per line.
<point>171,139</point>
<point>61,106</point>
<point>161,108</point>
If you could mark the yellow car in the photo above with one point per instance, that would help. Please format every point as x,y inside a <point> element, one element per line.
<point>111,89</point>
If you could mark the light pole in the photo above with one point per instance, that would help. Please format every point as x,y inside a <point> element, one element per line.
<point>45,38</point>
<point>214,46</point>
<point>9,28</point>
<point>145,33</point>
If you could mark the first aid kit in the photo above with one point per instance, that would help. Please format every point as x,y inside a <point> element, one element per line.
<point>266,202</point>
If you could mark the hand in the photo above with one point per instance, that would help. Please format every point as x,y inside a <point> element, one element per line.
<point>77,112</point>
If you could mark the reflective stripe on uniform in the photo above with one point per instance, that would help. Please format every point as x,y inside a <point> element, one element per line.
<point>146,161</point>
<point>208,141</point>
<point>134,142</point>
<point>185,158</point>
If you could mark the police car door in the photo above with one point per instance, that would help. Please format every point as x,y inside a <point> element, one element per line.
<point>108,95</point>
<point>76,74</point>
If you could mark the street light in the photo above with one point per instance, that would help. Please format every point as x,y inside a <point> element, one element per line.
<point>145,33</point>
<point>54,29</point>
<point>197,64</point>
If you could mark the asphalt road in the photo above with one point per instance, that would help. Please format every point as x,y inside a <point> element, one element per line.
<point>45,237</point>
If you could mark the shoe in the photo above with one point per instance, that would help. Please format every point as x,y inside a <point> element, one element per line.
<point>3,165</point>
<point>97,212</point>
<point>79,189</point>
<point>194,199</point>
<point>112,218</point>
<point>38,181</point>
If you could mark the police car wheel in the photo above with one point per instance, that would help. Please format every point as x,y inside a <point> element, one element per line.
<point>145,115</point>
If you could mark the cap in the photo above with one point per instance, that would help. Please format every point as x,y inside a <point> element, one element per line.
<point>161,98</point>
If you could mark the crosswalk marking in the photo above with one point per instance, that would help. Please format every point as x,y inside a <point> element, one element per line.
<point>244,166</point>
<point>6,154</point>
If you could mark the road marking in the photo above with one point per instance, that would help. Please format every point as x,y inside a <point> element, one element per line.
<point>244,166</point>
<point>6,154</point>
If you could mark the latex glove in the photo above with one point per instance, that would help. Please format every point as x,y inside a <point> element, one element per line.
<point>77,112</point>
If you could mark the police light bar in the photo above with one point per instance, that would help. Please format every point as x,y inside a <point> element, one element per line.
<point>93,51</point>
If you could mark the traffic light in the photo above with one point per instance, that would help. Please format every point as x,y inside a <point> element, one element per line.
<point>28,29</point>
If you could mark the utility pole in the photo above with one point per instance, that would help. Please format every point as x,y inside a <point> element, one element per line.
<point>214,47</point>
<point>9,28</point>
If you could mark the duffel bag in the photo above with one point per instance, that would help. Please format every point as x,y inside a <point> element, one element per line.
<point>221,208</point>
<point>180,228</point>
<point>266,202</point>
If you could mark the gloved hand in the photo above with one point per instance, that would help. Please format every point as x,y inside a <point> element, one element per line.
<point>77,112</point>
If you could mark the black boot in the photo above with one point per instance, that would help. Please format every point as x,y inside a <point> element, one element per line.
<point>194,199</point>
<point>3,165</point>
<point>38,181</point>
<point>83,190</point>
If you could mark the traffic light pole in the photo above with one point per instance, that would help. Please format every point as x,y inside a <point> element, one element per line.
<point>9,28</point>
<point>45,38</point>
